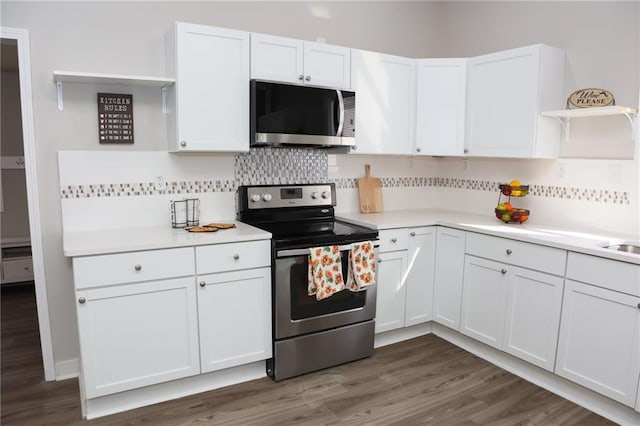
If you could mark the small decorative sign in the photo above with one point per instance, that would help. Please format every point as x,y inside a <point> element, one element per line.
<point>587,98</point>
<point>115,118</point>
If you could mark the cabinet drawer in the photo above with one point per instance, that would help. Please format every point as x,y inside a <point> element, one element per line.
<point>393,239</point>
<point>94,271</point>
<point>527,255</point>
<point>233,256</point>
<point>20,269</point>
<point>612,274</point>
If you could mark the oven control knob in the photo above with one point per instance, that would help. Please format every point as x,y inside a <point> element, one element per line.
<point>255,198</point>
<point>314,195</point>
<point>266,197</point>
<point>325,194</point>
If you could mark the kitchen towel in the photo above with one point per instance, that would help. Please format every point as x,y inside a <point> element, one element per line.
<point>325,272</point>
<point>362,266</point>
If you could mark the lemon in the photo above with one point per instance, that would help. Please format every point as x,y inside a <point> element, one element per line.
<point>514,183</point>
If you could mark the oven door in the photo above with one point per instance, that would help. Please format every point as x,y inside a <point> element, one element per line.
<point>297,313</point>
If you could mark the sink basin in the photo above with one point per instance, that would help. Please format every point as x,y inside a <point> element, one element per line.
<point>629,248</point>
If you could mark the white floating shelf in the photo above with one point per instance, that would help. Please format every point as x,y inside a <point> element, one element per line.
<point>564,116</point>
<point>60,77</point>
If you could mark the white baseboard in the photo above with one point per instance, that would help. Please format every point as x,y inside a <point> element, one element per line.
<point>68,369</point>
<point>401,334</point>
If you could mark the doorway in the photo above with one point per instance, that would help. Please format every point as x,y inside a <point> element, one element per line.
<point>22,251</point>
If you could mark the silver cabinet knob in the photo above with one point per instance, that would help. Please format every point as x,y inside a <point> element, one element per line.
<point>509,251</point>
<point>354,147</point>
<point>202,284</point>
<point>183,143</point>
<point>638,305</point>
<point>308,78</point>
<point>379,260</point>
<point>394,240</point>
<point>418,149</point>
<point>236,256</point>
<point>503,271</point>
<point>413,234</point>
<point>138,267</point>
<point>82,301</point>
<point>466,151</point>
<point>300,77</point>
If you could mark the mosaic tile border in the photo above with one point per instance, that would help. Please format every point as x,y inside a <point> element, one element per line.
<point>545,191</point>
<point>147,188</point>
<point>230,185</point>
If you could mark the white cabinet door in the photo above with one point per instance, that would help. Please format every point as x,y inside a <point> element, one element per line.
<point>276,58</point>
<point>211,90</point>
<point>534,302</point>
<point>484,299</point>
<point>449,266</point>
<point>327,65</point>
<point>441,104</point>
<point>391,291</point>
<point>599,341</point>
<point>420,267</point>
<point>506,92</point>
<point>385,103</point>
<point>290,60</point>
<point>234,311</point>
<point>136,335</point>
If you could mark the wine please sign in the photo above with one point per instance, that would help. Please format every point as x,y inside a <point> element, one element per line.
<point>587,98</point>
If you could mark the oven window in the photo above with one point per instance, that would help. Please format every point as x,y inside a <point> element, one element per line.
<point>305,306</point>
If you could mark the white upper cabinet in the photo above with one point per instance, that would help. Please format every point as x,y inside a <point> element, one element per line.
<point>441,103</point>
<point>385,103</point>
<point>506,92</point>
<point>295,61</point>
<point>211,93</point>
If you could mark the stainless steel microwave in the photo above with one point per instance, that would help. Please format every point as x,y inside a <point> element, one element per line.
<point>296,115</point>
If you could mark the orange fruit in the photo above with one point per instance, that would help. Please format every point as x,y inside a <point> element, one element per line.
<point>514,183</point>
<point>508,206</point>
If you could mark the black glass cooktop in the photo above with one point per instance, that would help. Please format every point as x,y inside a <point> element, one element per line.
<point>316,233</point>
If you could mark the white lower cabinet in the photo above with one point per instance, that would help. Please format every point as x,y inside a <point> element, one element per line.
<point>448,270</point>
<point>135,335</point>
<point>420,266</point>
<point>234,310</point>
<point>599,343</point>
<point>484,300</point>
<point>513,309</point>
<point>391,291</point>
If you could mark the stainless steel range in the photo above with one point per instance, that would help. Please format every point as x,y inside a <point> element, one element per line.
<point>309,334</point>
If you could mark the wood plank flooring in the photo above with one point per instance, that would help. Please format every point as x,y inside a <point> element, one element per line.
<point>422,381</point>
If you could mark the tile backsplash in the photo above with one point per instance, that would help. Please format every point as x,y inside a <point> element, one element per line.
<point>273,166</point>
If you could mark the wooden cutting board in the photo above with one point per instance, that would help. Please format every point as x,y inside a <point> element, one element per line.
<point>369,192</point>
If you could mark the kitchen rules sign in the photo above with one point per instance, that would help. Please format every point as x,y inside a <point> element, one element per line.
<point>115,118</point>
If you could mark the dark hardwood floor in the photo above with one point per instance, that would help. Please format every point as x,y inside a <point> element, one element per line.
<point>422,381</point>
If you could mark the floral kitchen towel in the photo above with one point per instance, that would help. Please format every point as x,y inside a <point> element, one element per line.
<point>325,272</point>
<point>362,266</point>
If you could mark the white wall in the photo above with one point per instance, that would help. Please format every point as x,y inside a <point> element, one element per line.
<point>128,38</point>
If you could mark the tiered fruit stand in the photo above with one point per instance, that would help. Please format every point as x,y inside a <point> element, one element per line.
<point>505,211</point>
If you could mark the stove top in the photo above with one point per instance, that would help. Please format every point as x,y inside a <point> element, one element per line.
<point>298,215</point>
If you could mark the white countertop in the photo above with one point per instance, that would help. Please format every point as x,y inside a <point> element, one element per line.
<point>573,240</point>
<point>105,241</point>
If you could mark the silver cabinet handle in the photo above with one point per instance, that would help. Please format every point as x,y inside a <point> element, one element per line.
<point>183,143</point>
<point>503,271</point>
<point>394,240</point>
<point>138,267</point>
<point>82,301</point>
<point>509,251</point>
<point>418,149</point>
<point>236,256</point>
<point>413,234</point>
<point>300,77</point>
<point>203,284</point>
<point>308,78</point>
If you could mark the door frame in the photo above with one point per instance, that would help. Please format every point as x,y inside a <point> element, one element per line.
<point>28,139</point>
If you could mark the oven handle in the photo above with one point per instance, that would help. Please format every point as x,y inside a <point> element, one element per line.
<point>305,251</point>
